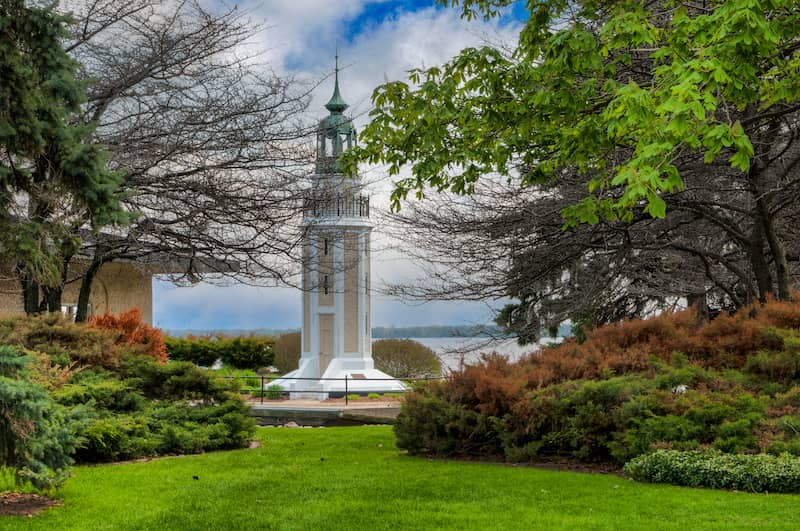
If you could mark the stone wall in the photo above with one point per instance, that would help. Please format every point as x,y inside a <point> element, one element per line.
<point>117,287</point>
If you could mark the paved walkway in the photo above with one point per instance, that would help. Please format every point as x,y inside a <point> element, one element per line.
<point>324,412</point>
<point>326,404</point>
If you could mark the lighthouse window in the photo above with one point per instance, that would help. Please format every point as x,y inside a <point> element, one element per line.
<point>325,247</point>
<point>325,284</point>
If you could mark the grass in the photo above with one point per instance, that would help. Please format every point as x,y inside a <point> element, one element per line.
<point>355,478</point>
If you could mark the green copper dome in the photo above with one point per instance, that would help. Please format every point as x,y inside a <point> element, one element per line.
<point>336,132</point>
<point>336,123</point>
<point>336,104</point>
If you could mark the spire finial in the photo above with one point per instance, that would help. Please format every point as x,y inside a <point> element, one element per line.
<point>336,103</point>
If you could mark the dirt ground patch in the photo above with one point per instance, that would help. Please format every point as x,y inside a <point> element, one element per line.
<point>17,504</point>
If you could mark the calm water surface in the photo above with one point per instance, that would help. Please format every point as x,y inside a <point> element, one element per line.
<point>452,350</point>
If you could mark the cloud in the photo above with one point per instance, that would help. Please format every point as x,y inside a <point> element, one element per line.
<point>377,40</point>
<point>206,306</point>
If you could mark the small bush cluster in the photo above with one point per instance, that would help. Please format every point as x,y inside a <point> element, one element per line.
<point>253,352</point>
<point>120,401</point>
<point>630,388</point>
<point>287,352</point>
<point>405,358</point>
<point>714,469</point>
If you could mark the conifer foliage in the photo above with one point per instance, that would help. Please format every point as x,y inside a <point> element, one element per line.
<point>52,180</point>
<point>134,332</point>
<point>36,440</point>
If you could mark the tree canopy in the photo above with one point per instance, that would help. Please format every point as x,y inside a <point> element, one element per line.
<point>210,138</point>
<point>618,90</point>
<point>649,148</point>
<point>206,142</point>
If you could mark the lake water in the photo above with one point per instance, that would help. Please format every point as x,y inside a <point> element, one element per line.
<point>452,350</point>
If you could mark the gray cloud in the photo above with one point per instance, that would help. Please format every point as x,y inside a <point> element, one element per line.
<point>299,39</point>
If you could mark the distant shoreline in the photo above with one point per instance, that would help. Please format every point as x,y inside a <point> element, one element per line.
<point>378,332</point>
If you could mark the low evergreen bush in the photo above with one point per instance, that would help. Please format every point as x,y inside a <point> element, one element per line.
<point>714,469</point>
<point>103,394</point>
<point>252,352</point>
<point>133,332</point>
<point>274,392</point>
<point>202,352</point>
<point>36,438</point>
<point>102,391</point>
<point>63,341</point>
<point>169,409</point>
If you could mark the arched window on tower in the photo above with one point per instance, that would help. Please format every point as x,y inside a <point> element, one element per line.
<point>330,149</point>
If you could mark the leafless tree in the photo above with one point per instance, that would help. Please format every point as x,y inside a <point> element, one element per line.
<point>211,142</point>
<point>507,241</point>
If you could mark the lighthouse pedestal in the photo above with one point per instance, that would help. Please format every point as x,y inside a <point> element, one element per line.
<point>343,376</point>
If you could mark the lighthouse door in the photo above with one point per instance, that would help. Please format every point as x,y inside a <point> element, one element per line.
<point>325,341</point>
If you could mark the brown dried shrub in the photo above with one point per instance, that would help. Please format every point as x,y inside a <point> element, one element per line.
<point>133,332</point>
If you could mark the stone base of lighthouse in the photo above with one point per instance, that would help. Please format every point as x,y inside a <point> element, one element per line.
<point>343,376</point>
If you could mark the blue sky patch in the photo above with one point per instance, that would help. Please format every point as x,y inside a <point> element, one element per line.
<point>375,13</point>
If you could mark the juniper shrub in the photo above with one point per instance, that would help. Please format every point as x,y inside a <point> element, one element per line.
<point>133,332</point>
<point>630,387</point>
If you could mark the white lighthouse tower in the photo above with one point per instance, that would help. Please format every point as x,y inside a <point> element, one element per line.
<point>336,340</point>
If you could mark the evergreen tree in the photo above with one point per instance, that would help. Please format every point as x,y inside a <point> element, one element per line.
<point>36,440</point>
<point>51,179</point>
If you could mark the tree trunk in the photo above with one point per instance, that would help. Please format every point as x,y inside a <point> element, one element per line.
<point>52,298</point>
<point>778,254</point>
<point>82,311</point>
<point>30,291</point>
<point>758,261</point>
<point>699,302</point>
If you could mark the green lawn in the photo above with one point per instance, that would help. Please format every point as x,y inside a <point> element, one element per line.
<point>355,478</point>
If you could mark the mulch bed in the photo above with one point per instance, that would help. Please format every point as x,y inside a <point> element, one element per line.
<point>17,504</point>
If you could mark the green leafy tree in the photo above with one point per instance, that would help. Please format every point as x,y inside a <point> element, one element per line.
<point>36,439</point>
<point>52,181</point>
<point>632,102</point>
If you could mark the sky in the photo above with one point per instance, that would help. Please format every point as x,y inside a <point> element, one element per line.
<point>377,40</point>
